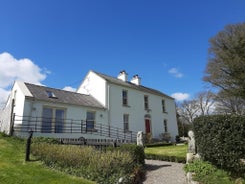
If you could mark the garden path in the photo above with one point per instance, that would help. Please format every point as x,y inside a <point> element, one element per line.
<point>161,172</point>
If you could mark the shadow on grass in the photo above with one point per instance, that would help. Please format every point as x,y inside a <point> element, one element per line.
<point>33,160</point>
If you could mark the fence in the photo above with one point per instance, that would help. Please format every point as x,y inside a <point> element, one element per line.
<point>24,124</point>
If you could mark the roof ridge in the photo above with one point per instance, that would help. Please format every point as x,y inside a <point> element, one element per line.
<point>54,88</point>
<point>132,85</point>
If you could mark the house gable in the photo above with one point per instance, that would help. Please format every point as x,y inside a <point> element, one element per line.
<point>96,86</point>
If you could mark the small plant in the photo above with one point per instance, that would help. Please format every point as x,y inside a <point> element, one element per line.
<point>148,138</point>
<point>177,138</point>
<point>166,136</point>
<point>137,152</point>
<point>200,168</point>
<point>206,173</point>
<point>45,140</point>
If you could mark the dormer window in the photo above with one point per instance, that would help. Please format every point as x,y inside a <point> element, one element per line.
<point>51,94</point>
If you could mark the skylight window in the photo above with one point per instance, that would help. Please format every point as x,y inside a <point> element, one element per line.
<point>51,94</point>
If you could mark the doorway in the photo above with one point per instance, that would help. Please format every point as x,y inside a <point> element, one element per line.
<point>147,126</point>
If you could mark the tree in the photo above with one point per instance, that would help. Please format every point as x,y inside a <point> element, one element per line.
<point>188,110</point>
<point>226,64</point>
<point>183,127</point>
<point>202,104</point>
<point>226,104</point>
<point>205,100</point>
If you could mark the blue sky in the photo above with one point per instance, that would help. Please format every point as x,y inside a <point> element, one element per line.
<point>56,42</point>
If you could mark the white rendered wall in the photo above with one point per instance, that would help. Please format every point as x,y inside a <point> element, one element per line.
<point>94,85</point>
<point>72,112</point>
<point>137,113</point>
<point>18,94</point>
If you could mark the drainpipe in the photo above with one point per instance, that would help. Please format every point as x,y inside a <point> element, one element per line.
<point>30,114</point>
<point>108,104</point>
<point>12,117</point>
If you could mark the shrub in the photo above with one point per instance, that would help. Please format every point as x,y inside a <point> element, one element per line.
<point>148,138</point>
<point>100,166</point>
<point>166,136</point>
<point>137,152</point>
<point>220,139</point>
<point>206,173</point>
<point>201,169</point>
<point>158,144</point>
<point>167,158</point>
<point>177,138</point>
<point>45,140</point>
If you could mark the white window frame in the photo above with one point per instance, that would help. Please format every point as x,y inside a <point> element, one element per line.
<point>54,127</point>
<point>91,121</point>
<point>165,125</point>
<point>146,102</point>
<point>125,97</point>
<point>126,122</point>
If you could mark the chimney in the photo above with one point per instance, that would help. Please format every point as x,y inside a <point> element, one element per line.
<point>136,80</point>
<point>123,76</point>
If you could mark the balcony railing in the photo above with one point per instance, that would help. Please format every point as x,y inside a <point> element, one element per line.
<point>70,126</point>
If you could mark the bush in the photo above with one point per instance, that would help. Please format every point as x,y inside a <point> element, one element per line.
<point>158,144</point>
<point>177,138</point>
<point>201,169</point>
<point>45,140</point>
<point>137,152</point>
<point>100,166</point>
<point>220,139</point>
<point>165,136</point>
<point>167,158</point>
<point>206,173</point>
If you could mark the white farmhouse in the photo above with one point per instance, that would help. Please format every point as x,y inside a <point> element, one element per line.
<point>103,107</point>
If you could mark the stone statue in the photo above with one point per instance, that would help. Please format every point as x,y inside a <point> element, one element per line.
<point>191,143</point>
<point>191,153</point>
<point>140,141</point>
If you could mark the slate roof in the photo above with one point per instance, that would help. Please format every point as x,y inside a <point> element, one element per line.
<point>62,96</point>
<point>131,85</point>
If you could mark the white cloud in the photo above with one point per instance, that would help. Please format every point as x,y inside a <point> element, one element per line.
<point>69,88</point>
<point>3,97</point>
<point>175,72</point>
<point>12,69</point>
<point>180,96</point>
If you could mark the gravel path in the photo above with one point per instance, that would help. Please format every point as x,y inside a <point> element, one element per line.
<point>161,172</point>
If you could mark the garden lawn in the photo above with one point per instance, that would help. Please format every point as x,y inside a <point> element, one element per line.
<point>167,153</point>
<point>14,170</point>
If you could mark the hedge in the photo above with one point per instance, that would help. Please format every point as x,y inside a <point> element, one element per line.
<point>104,167</point>
<point>220,139</point>
<point>167,158</point>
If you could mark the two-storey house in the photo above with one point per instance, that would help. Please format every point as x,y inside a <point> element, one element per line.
<point>102,107</point>
<point>130,105</point>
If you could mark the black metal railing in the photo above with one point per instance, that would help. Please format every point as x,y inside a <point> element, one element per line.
<point>70,126</point>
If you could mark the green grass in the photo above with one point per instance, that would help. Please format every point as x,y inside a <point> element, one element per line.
<point>178,151</point>
<point>167,153</point>
<point>14,170</point>
<point>206,173</point>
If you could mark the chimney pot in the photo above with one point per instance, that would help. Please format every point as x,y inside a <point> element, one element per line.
<point>123,76</point>
<point>136,80</point>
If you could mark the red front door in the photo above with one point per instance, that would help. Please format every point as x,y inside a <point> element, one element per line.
<point>147,126</point>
